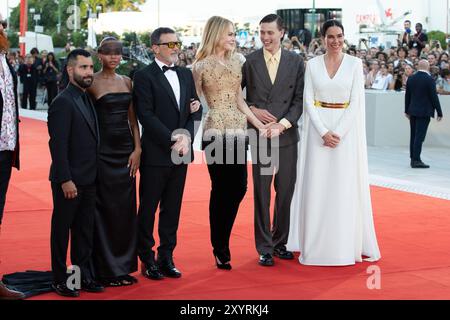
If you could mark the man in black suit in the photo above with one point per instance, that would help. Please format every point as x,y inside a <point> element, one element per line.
<point>29,77</point>
<point>9,135</point>
<point>74,141</point>
<point>163,96</point>
<point>421,103</point>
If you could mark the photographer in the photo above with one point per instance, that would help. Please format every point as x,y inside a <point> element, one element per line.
<point>314,46</point>
<point>436,46</point>
<point>397,83</point>
<point>363,41</point>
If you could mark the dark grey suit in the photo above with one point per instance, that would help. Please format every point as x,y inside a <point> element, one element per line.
<point>283,99</point>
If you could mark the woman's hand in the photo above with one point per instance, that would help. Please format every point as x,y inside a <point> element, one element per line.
<point>331,139</point>
<point>134,161</point>
<point>264,129</point>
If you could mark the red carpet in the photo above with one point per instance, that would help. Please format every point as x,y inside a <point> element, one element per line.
<point>413,233</point>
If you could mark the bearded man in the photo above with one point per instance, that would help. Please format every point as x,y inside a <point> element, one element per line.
<point>74,141</point>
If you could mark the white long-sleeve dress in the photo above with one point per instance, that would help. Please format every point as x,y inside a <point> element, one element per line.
<point>331,212</point>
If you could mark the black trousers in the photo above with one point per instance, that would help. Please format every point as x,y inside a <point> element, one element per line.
<point>52,91</point>
<point>5,175</point>
<point>75,216</point>
<point>419,127</point>
<point>228,188</point>
<point>29,93</point>
<point>163,186</point>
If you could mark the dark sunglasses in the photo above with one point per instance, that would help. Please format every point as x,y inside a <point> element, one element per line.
<point>171,44</point>
<point>4,23</point>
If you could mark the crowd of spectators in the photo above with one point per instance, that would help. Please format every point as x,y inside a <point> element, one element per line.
<point>384,68</point>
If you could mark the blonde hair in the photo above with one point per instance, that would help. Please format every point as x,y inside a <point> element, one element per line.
<point>214,30</point>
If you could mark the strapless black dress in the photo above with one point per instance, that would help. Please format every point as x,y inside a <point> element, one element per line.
<point>115,234</point>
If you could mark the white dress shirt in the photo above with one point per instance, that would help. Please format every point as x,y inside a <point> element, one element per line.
<point>172,77</point>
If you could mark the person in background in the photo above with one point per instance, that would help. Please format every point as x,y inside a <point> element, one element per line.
<point>421,103</point>
<point>29,77</point>
<point>9,136</point>
<point>50,73</point>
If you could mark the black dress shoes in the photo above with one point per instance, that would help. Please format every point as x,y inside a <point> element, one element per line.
<point>282,253</point>
<point>168,269</point>
<point>266,260</point>
<point>91,286</point>
<point>8,294</point>
<point>419,165</point>
<point>151,272</point>
<point>63,290</point>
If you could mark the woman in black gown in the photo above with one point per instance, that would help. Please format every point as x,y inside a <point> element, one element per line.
<point>114,254</point>
<point>51,71</point>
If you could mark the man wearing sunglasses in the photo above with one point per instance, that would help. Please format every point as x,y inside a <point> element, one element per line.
<point>9,135</point>
<point>163,95</point>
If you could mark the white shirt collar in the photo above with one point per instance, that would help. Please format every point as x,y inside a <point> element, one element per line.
<point>161,64</point>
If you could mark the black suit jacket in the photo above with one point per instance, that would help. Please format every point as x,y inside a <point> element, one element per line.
<point>421,99</point>
<point>16,161</point>
<point>74,138</point>
<point>158,112</point>
<point>28,75</point>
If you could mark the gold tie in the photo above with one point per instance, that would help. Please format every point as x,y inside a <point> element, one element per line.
<point>272,69</point>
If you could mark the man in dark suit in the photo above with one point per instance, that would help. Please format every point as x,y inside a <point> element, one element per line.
<point>74,141</point>
<point>163,96</point>
<point>9,135</point>
<point>273,78</point>
<point>421,103</point>
<point>29,77</point>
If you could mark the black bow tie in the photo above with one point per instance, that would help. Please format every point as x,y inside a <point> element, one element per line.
<point>165,68</point>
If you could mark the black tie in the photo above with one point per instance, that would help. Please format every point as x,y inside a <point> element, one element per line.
<point>165,68</point>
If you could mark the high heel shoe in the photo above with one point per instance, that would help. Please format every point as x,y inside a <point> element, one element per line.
<point>223,266</point>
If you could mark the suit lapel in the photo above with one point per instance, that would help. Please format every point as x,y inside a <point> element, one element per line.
<point>165,84</point>
<point>261,69</point>
<point>85,113</point>
<point>283,68</point>
<point>182,90</point>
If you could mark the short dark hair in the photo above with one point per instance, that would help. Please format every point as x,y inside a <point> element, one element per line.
<point>34,51</point>
<point>404,49</point>
<point>407,21</point>
<point>156,35</point>
<point>419,24</point>
<point>73,55</point>
<point>331,23</point>
<point>273,18</point>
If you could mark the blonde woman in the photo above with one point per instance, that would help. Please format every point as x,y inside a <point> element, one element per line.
<point>217,74</point>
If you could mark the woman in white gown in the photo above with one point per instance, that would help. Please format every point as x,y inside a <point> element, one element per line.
<point>331,212</point>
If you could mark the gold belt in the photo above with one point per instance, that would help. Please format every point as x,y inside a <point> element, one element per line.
<point>331,105</point>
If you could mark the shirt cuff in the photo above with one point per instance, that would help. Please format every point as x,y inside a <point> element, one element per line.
<point>285,122</point>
